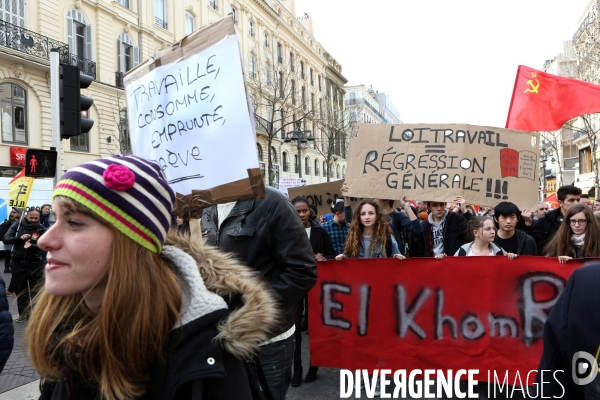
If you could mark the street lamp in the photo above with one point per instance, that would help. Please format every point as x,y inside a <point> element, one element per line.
<point>300,137</point>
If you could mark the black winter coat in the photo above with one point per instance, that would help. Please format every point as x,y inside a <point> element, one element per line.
<point>455,229</point>
<point>545,228</point>
<point>572,326</point>
<point>525,244</point>
<point>320,241</point>
<point>268,236</point>
<point>7,330</point>
<point>19,252</point>
<point>4,227</point>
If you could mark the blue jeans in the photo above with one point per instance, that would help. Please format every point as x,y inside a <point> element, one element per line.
<point>276,361</point>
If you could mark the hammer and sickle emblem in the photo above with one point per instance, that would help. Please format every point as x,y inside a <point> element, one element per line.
<point>532,88</point>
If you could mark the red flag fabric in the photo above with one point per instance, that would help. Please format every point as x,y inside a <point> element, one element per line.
<point>552,200</point>
<point>544,102</point>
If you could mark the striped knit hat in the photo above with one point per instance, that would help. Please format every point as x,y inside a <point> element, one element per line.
<point>129,192</point>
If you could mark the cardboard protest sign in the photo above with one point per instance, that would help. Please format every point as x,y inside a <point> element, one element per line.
<point>322,195</point>
<point>429,314</point>
<point>286,183</point>
<point>439,162</point>
<point>188,110</point>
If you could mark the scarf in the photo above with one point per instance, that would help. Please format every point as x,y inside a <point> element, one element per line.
<point>577,240</point>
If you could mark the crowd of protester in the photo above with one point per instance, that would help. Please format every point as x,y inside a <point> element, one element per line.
<point>252,285</point>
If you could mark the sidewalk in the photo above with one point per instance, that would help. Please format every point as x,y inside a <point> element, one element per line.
<point>18,370</point>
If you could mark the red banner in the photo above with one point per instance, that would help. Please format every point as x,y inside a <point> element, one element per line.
<point>483,313</point>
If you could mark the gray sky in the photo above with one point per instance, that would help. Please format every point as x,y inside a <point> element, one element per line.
<point>443,61</point>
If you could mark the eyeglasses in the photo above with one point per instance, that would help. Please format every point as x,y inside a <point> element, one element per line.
<point>578,221</point>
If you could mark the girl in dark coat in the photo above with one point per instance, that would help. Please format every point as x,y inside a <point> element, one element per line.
<point>125,314</point>
<point>322,247</point>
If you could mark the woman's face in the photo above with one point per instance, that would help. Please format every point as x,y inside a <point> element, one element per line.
<point>79,250</point>
<point>368,215</point>
<point>303,211</point>
<point>578,223</point>
<point>178,220</point>
<point>45,210</point>
<point>487,232</point>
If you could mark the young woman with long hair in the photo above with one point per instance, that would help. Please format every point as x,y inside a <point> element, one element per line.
<point>369,235</point>
<point>482,230</point>
<point>128,312</point>
<point>577,237</point>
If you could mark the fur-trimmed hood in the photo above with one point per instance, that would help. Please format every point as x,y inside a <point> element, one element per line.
<point>209,276</point>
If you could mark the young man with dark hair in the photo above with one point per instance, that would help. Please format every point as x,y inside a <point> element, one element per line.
<point>443,231</point>
<point>596,205</point>
<point>508,237</point>
<point>585,199</point>
<point>337,228</point>
<point>546,226</point>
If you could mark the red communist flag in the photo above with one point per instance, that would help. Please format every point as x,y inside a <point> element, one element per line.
<point>544,102</point>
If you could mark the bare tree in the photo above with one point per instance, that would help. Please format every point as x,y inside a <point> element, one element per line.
<point>552,143</point>
<point>334,127</point>
<point>588,126</point>
<point>278,91</point>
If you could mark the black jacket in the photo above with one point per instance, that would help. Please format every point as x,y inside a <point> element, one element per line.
<point>5,226</point>
<point>19,252</point>
<point>7,330</point>
<point>320,241</point>
<point>572,326</point>
<point>455,228</point>
<point>268,236</point>
<point>545,228</point>
<point>525,244</point>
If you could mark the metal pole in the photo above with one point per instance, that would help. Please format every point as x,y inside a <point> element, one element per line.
<point>55,106</point>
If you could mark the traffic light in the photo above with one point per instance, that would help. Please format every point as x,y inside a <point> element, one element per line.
<point>40,163</point>
<point>72,103</point>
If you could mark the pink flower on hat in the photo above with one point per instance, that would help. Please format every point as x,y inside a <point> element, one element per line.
<point>118,177</point>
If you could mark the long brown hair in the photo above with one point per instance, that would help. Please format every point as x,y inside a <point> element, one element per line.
<point>561,244</point>
<point>380,230</point>
<point>113,348</point>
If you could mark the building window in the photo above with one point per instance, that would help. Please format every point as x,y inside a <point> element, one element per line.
<point>307,166</point>
<point>338,176</point>
<point>233,14</point>
<point>281,85</point>
<point>250,28</point>
<point>324,169</point>
<point>189,23</point>
<point>13,118</point>
<point>79,38</point>
<point>160,16</point>
<point>316,167</point>
<point>213,4</point>
<point>285,162</point>
<point>80,142</point>
<point>273,155</point>
<point>312,102</point>
<point>266,40</point>
<point>267,74</point>
<point>124,3</point>
<point>319,82</point>
<point>303,98</point>
<point>251,65</point>
<point>343,172</point>
<point>279,53</point>
<point>293,92</point>
<point>259,151</point>
<point>302,69</point>
<point>296,163</point>
<point>128,54</point>
<point>312,82</point>
<point>585,161</point>
<point>13,12</point>
<point>292,62</point>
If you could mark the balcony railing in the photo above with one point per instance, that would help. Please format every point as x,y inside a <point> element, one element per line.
<point>119,80</point>
<point>263,124</point>
<point>159,22</point>
<point>590,18</point>
<point>20,39</point>
<point>25,41</point>
<point>86,66</point>
<point>351,102</point>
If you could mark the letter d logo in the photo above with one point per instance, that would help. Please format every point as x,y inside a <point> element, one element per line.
<point>579,367</point>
